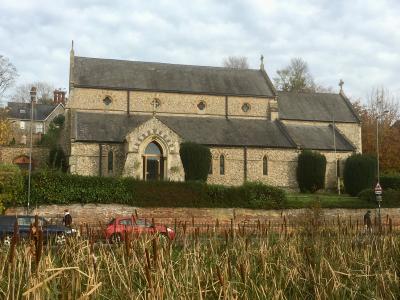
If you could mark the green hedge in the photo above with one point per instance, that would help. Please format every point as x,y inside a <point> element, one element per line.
<point>390,182</point>
<point>59,188</point>
<point>196,160</point>
<point>359,173</point>
<point>311,171</point>
<point>11,185</point>
<point>390,197</point>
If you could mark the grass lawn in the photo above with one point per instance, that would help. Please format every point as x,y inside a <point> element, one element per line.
<point>297,200</point>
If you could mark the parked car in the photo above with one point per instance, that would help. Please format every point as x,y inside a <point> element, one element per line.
<point>7,224</point>
<point>117,227</point>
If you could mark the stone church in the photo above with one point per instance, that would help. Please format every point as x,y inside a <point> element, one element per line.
<point>128,118</point>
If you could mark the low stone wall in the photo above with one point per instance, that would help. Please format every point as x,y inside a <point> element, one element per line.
<point>40,155</point>
<point>93,214</point>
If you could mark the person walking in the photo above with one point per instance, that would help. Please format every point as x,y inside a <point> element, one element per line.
<point>67,219</point>
<point>368,222</point>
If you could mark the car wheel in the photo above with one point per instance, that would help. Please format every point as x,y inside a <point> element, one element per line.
<point>7,240</point>
<point>116,238</point>
<point>60,239</point>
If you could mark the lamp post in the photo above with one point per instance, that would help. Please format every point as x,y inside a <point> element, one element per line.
<point>33,99</point>
<point>378,197</point>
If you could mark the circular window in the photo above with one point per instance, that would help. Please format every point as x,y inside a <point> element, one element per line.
<point>246,107</point>
<point>201,105</point>
<point>107,100</point>
<point>156,103</point>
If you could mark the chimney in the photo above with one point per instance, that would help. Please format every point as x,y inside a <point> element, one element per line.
<point>59,97</point>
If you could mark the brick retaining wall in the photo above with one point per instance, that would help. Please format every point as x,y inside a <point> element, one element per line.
<point>92,213</point>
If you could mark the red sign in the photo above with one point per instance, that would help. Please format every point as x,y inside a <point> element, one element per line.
<point>378,189</point>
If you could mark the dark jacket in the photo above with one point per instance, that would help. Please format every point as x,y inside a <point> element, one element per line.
<point>67,220</point>
<point>367,219</point>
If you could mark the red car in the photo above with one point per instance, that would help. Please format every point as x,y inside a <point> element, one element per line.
<point>117,227</point>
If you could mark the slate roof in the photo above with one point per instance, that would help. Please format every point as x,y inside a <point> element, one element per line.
<point>317,137</point>
<point>315,107</point>
<point>104,127</point>
<point>206,131</point>
<point>231,132</point>
<point>134,75</point>
<point>22,111</point>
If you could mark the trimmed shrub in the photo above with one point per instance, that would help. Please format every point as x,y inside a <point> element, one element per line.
<point>390,181</point>
<point>196,160</point>
<point>359,173</point>
<point>11,185</point>
<point>59,188</point>
<point>310,171</point>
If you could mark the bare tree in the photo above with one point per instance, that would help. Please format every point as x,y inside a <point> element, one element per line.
<point>236,62</point>
<point>295,77</point>
<point>8,73</point>
<point>44,92</point>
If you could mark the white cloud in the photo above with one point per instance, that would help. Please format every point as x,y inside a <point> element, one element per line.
<point>358,40</point>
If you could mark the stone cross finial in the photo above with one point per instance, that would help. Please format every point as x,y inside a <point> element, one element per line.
<point>262,62</point>
<point>341,82</point>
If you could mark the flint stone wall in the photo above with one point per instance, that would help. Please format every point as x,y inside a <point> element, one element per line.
<point>93,214</point>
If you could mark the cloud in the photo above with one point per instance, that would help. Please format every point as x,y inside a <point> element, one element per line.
<point>354,40</point>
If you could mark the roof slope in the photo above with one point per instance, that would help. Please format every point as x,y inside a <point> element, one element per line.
<point>231,132</point>
<point>317,137</point>
<point>22,111</point>
<point>134,75</point>
<point>206,131</point>
<point>105,127</point>
<point>315,107</point>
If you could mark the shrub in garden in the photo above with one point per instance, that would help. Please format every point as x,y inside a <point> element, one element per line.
<point>359,173</point>
<point>196,160</point>
<point>310,171</point>
<point>11,185</point>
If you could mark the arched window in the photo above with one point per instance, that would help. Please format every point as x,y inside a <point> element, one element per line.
<point>210,171</point>
<point>222,165</point>
<point>265,165</point>
<point>153,149</point>
<point>110,161</point>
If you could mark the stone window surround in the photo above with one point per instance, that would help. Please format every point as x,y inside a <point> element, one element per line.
<point>110,162</point>
<point>202,105</point>
<point>222,164</point>
<point>265,165</point>
<point>246,107</point>
<point>107,100</point>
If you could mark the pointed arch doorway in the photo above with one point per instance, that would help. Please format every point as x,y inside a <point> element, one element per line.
<point>153,162</point>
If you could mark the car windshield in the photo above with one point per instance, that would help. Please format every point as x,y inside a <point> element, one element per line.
<point>145,223</point>
<point>27,221</point>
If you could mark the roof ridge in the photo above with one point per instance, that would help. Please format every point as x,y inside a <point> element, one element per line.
<point>167,64</point>
<point>307,93</point>
<point>286,133</point>
<point>350,106</point>
<point>343,136</point>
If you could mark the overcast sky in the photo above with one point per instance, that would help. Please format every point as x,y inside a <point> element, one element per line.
<point>358,40</point>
